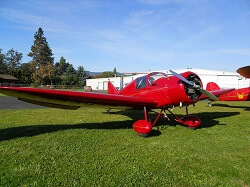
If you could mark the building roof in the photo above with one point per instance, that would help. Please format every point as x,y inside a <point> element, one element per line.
<point>203,72</point>
<point>8,77</point>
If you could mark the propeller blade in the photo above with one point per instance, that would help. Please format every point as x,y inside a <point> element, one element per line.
<point>203,91</point>
<point>182,78</point>
<point>208,94</point>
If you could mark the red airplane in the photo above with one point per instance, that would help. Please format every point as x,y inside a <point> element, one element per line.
<point>153,91</point>
<point>235,95</point>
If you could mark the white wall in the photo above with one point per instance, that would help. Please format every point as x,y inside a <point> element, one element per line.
<point>102,83</point>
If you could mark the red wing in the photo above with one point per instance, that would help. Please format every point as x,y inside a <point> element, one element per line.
<point>74,100</point>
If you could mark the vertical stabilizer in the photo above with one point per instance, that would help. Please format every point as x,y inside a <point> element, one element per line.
<point>112,89</point>
<point>211,86</point>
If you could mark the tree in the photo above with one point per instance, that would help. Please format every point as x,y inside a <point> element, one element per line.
<point>82,75</point>
<point>61,66</point>
<point>115,72</point>
<point>42,64</point>
<point>13,61</point>
<point>70,77</point>
<point>3,67</point>
<point>105,74</point>
<point>24,74</point>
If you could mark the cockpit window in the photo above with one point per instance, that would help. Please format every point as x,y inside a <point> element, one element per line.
<point>141,82</point>
<point>155,76</point>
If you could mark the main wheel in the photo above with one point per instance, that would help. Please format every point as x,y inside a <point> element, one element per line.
<point>191,121</point>
<point>142,127</point>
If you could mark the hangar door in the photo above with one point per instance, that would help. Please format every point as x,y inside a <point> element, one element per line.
<point>227,81</point>
<point>105,84</point>
<point>99,87</point>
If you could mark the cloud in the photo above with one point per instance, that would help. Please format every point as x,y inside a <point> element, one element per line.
<point>30,21</point>
<point>236,51</point>
<point>232,51</point>
<point>198,37</point>
<point>165,2</point>
<point>139,20</point>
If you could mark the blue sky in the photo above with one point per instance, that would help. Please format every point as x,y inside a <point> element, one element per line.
<point>133,35</point>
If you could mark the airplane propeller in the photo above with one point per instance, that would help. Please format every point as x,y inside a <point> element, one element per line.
<point>202,90</point>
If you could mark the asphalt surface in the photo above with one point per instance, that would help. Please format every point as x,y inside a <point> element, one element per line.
<point>13,103</point>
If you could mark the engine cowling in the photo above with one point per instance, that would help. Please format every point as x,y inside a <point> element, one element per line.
<point>181,92</point>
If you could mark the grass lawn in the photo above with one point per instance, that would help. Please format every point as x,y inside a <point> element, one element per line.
<point>89,147</point>
<point>1,95</point>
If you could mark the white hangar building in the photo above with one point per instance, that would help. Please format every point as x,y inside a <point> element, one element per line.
<point>222,78</point>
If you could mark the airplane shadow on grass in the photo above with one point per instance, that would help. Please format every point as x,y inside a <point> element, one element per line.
<point>207,118</point>
<point>246,108</point>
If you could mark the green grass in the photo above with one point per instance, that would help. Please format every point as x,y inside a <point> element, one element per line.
<point>1,95</point>
<point>89,147</point>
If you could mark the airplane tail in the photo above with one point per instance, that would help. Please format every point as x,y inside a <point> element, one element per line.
<point>211,86</point>
<point>112,89</point>
<point>242,94</point>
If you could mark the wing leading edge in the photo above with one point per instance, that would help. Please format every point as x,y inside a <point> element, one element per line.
<point>74,100</point>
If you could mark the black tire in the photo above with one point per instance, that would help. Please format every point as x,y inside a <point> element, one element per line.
<point>143,135</point>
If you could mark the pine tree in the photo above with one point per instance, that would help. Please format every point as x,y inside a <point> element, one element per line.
<point>82,75</point>
<point>61,66</point>
<point>3,67</point>
<point>115,72</point>
<point>42,64</point>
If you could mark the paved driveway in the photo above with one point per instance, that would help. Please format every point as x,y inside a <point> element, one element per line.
<point>13,103</point>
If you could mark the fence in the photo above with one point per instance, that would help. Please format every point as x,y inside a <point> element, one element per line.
<point>14,85</point>
<point>61,87</point>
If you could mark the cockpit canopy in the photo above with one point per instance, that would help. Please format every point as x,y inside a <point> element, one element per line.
<point>150,79</point>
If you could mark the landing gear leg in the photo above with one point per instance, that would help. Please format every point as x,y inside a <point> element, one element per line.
<point>145,113</point>
<point>144,127</point>
<point>190,121</point>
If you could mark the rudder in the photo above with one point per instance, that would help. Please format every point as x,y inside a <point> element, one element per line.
<point>112,89</point>
<point>211,86</point>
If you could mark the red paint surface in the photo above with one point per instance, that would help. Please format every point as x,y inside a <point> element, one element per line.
<point>236,95</point>
<point>142,127</point>
<point>211,86</point>
<point>191,121</point>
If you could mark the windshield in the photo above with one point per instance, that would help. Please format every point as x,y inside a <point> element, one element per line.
<point>141,82</point>
<point>155,76</point>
